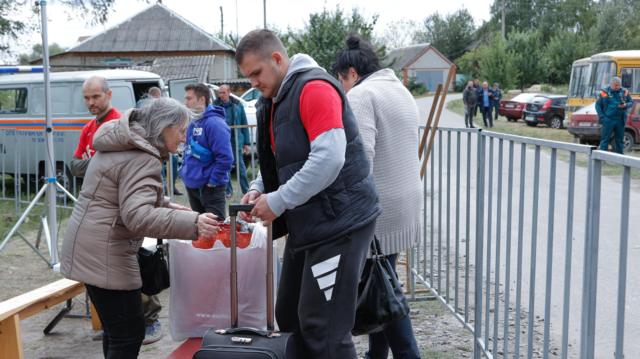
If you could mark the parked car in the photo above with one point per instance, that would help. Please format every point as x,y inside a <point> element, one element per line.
<point>512,109</point>
<point>251,95</point>
<point>545,109</point>
<point>585,126</point>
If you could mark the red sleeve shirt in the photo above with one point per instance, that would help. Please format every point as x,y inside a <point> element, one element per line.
<point>320,109</point>
<point>85,148</point>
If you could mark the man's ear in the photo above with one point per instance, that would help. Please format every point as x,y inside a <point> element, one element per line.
<point>277,57</point>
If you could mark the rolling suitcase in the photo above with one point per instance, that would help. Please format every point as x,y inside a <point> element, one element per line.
<point>248,343</point>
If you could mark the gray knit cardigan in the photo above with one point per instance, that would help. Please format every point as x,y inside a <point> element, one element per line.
<point>387,117</point>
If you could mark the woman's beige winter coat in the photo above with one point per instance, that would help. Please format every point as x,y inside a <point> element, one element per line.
<point>120,203</point>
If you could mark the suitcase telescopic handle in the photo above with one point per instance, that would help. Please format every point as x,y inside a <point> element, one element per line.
<point>233,212</point>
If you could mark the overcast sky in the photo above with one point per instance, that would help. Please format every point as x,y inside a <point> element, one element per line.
<point>282,13</point>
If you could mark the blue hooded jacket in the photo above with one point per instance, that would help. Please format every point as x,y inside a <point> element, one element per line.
<point>208,156</point>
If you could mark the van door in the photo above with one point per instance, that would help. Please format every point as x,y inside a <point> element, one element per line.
<point>176,87</point>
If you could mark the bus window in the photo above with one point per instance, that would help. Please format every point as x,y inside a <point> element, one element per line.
<point>578,81</point>
<point>13,100</point>
<point>631,79</point>
<point>601,75</point>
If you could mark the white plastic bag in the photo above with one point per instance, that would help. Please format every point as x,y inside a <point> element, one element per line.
<point>200,282</point>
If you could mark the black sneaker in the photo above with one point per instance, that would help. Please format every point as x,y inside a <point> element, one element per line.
<point>177,192</point>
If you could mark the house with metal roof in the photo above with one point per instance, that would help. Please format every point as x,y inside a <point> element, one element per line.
<point>421,62</point>
<point>156,39</point>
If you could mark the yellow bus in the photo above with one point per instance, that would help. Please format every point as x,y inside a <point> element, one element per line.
<point>591,74</point>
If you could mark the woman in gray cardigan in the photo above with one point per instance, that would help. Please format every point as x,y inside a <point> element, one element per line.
<point>387,117</point>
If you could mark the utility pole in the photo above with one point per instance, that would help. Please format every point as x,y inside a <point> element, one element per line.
<point>221,23</point>
<point>504,27</point>
<point>264,7</point>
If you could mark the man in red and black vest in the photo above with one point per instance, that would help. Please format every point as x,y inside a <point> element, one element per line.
<point>314,185</point>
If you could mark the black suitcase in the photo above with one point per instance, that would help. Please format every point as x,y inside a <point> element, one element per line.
<point>248,343</point>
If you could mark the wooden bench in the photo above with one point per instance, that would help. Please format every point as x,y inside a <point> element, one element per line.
<point>23,306</point>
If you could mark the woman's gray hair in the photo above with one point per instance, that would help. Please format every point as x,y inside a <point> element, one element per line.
<point>158,114</point>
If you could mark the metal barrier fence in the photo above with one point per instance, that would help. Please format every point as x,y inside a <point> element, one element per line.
<point>22,158</point>
<point>510,244</point>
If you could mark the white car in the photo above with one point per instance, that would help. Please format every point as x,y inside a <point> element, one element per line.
<point>251,95</point>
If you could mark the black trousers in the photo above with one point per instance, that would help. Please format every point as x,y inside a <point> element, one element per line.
<point>122,318</point>
<point>208,199</point>
<point>486,116</point>
<point>318,293</point>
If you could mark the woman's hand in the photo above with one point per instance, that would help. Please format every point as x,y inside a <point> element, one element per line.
<point>207,225</point>
<point>179,207</point>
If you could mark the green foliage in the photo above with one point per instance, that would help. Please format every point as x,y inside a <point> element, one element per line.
<point>451,35</point>
<point>469,63</point>
<point>325,33</point>
<point>498,64</point>
<point>36,53</point>
<point>559,54</point>
<point>526,56</point>
<point>416,89</point>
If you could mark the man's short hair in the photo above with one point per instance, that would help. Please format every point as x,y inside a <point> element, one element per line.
<point>261,42</point>
<point>616,80</point>
<point>226,87</point>
<point>154,92</point>
<point>200,90</point>
<point>101,81</point>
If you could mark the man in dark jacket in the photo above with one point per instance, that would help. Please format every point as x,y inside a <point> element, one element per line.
<point>470,100</point>
<point>235,115</point>
<point>207,156</point>
<point>497,96</point>
<point>319,191</point>
<point>612,105</point>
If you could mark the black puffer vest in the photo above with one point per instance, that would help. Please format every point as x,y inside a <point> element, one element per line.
<point>348,204</point>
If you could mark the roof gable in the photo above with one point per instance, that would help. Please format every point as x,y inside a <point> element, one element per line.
<point>156,29</point>
<point>405,56</point>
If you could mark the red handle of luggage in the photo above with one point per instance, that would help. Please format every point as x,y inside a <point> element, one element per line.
<point>233,213</point>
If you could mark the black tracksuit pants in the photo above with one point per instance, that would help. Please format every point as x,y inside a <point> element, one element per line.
<point>318,293</point>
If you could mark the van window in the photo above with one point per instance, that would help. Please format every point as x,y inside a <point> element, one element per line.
<point>13,100</point>
<point>121,98</point>
<point>60,100</point>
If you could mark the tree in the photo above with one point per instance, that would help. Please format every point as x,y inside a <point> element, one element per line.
<point>398,34</point>
<point>452,35</point>
<point>325,33</point>
<point>559,54</point>
<point>526,50</point>
<point>36,53</point>
<point>497,63</point>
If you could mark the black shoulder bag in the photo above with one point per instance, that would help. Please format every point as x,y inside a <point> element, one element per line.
<point>153,269</point>
<point>380,297</point>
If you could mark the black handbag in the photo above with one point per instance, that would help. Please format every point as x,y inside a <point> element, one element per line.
<point>153,269</point>
<point>380,297</point>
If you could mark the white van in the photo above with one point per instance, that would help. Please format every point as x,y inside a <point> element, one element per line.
<point>22,117</point>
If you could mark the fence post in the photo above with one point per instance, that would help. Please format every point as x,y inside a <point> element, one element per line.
<point>477,325</point>
<point>589,288</point>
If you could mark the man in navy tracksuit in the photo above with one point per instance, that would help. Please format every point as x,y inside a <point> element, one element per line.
<point>315,185</point>
<point>208,156</point>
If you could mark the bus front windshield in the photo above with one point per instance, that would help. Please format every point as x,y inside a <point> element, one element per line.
<point>578,84</point>
<point>601,75</point>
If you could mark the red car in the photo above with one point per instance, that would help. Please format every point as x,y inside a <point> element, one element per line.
<point>585,127</point>
<point>512,109</point>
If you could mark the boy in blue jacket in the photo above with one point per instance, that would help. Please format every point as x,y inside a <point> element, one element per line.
<point>208,156</point>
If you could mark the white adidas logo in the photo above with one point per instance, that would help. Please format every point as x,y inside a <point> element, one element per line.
<point>325,273</point>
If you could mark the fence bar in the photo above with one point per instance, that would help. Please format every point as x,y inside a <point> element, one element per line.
<point>424,228</point>
<point>448,221</point>
<point>550,224</point>
<point>489,220</point>
<point>433,213</point>
<point>507,256</point>
<point>468,231</point>
<point>478,349</point>
<point>523,160</point>
<point>588,322</point>
<point>534,250</point>
<point>571,147</point>
<point>622,268</point>
<point>439,211</point>
<point>568,254</point>
<point>496,290</point>
<point>457,235</point>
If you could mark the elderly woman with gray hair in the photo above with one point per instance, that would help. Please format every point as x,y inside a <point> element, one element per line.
<point>120,203</point>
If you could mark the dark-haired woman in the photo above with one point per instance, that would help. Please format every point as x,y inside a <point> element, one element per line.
<point>387,117</point>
